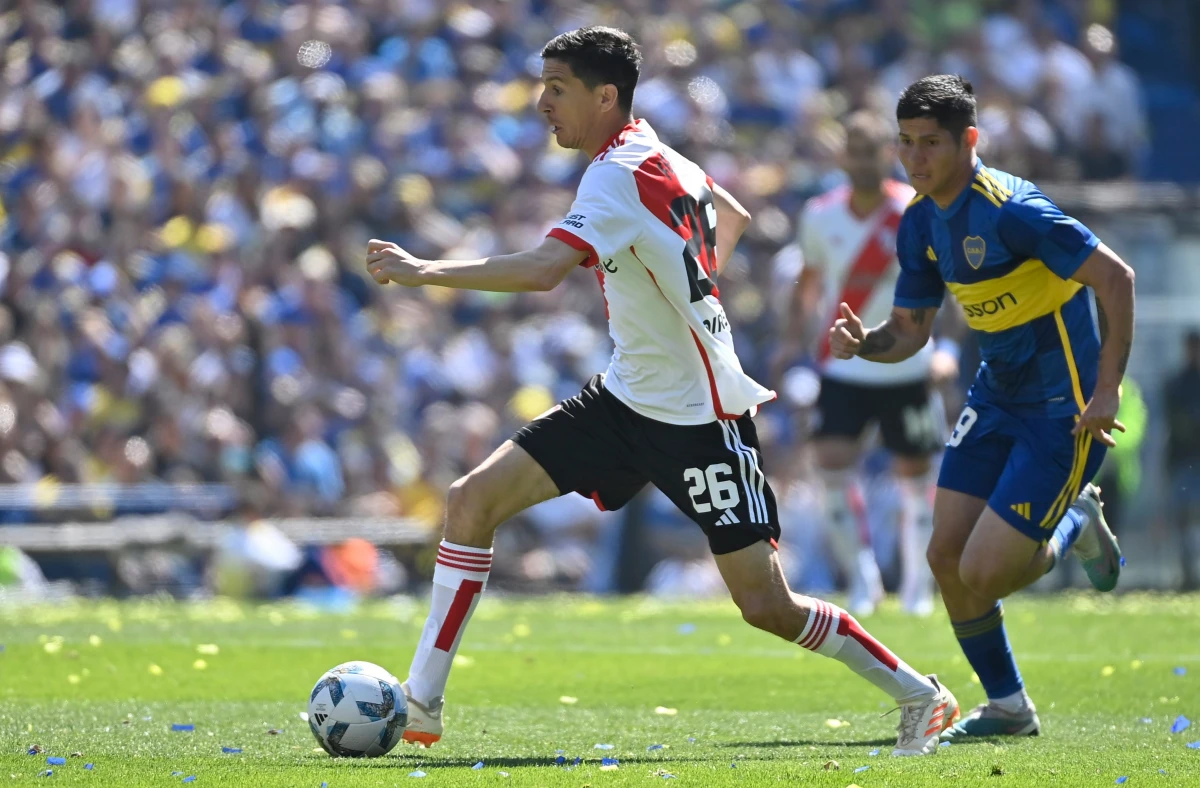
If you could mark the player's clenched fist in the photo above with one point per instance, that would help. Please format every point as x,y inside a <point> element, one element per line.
<point>846,336</point>
<point>387,262</point>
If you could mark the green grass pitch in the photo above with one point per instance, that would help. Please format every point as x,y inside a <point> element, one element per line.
<point>536,676</point>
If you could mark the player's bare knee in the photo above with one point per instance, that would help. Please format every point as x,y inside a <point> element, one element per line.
<point>985,580</point>
<point>943,560</point>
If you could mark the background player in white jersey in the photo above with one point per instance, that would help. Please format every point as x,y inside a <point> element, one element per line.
<point>848,238</point>
<point>674,408</point>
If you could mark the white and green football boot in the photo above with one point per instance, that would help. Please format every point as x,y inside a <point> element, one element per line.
<point>1097,546</point>
<point>989,720</point>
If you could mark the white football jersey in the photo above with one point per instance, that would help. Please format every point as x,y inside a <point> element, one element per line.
<point>645,215</point>
<point>857,256</point>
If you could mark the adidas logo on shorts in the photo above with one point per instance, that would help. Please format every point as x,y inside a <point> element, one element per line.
<point>729,518</point>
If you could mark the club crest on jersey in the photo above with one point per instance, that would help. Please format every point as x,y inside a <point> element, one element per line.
<point>975,248</point>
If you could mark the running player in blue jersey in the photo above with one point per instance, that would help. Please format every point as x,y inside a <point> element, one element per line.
<point>1053,309</point>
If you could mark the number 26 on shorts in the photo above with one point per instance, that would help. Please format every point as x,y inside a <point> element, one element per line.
<point>722,492</point>
<point>962,426</point>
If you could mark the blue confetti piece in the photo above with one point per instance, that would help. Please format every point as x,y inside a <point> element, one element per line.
<point>33,751</point>
<point>231,750</point>
<point>609,762</point>
<point>1162,771</point>
<point>873,753</point>
<point>654,747</point>
<point>1121,780</point>
<point>183,728</point>
<point>324,785</point>
<point>1181,724</point>
<point>603,747</point>
<point>1146,721</point>
<point>733,766</point>
<point>944,744</point>
<point>176,774</point>
<point>1,648</point>
<point>861,769</point>
<point>190,778</point>
<point>47,773</point>
<point>1194,745</point>
<point>666,776</point>
<point>560,760</point>
<point>560,752</point>
<point>577,761</point>
<point>1180,671</point>
<point>53,761</point>
<point>478,766</point>
<point>692,739</point>
<point>89,766</point>
<point>1122,560</point>
<point>417,773</point>
<point>686,629</point>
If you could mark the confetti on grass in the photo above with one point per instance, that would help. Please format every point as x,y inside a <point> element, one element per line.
<point>417,773</point>
<point>89,766</point>
<point>567,700</point>
<point>190,779</point>
<point>1180,671</point>
<point>231,750</point>
<point>1181,724</point>
<point>1121,780</point>
<point>668,712</point>
<point>654,747</point>
<point>478,766</point>
<point>56,761</point>
<point>873,753</point>
<point>603,747</point>
<point>1194,745</point>
<point>610,762</point>
<point>183,728</point>
<point>861,769</point>
<point>686,629</point>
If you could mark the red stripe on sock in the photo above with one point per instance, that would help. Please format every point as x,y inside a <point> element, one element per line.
<point>848,626</point>
<point>464,553</point>
<point>826,624</point>
<point>483,570</point>
<point>463,559</point>
<point>814,617</point>
<point>457,614</point>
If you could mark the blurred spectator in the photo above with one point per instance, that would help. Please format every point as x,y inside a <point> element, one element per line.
<point>1183,451</point>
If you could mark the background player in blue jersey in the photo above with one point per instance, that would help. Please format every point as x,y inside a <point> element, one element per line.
<point>1053,310</point>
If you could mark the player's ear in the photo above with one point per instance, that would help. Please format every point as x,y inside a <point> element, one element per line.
<point>971,136</point>
<point>608,96</point>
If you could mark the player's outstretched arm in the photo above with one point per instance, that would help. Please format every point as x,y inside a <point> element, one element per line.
<point>732,221</point>
<point>899,337</point>
<point>542,268</point>
<point>1112,281</point>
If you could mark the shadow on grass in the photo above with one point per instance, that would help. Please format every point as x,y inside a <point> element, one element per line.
<point>808,743</point>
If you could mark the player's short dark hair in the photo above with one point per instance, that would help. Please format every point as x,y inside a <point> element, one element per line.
<point>871,125</point>
<point>947,98</point>
<point>600,56</point>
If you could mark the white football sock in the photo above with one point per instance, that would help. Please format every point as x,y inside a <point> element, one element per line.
<point>1018,701</point>
<point>846,531</point>
<point>832,632</point>
<point>459,577</point>
<point>916,526</point>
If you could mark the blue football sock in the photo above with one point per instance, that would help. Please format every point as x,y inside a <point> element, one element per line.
<point>984,641</point>
<point>1065,533</point>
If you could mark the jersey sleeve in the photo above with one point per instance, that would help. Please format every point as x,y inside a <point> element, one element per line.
<point>1031,225</point>
<point>811,244</point>
<point>604,217</point>
<point>920,284</point>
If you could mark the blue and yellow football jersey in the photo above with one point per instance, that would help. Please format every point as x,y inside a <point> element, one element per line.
<point>1007,253</point>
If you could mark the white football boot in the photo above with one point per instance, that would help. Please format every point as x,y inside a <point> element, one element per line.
<point>424,721</point>
<point>922,722</point>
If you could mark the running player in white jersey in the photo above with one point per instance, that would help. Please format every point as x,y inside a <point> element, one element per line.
<point>674,407</point>
<point>848,238</point>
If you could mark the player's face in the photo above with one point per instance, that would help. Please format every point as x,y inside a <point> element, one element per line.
<point>866,160</point>
<point>931,155</point>
<point>569,105</point>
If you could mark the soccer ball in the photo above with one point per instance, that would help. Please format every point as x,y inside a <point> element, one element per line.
<point>357,710</point>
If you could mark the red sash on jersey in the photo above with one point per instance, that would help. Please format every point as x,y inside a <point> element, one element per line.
<point>865,272</point>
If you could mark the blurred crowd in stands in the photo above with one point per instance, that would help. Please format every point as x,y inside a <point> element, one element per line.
<point>184,208</point>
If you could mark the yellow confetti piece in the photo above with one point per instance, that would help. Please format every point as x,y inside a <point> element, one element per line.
<point>114,624</point>
<point>568,700</point>
<point>95,641</point>
<point>73,679</point>
<point>200,664</point>
<point>463,661</point>
<point>612,767</point>
<point>53,647</point>
<point>665,711</point>
<point>1107,671</point>
<point>208,649</point>
<point>835,724</point>
<point>155,670</point>
<point>1135,665</point>
<point>724,640</point>
<point>974,677</point>
<point>349,634</point>
<point>521,630</point>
